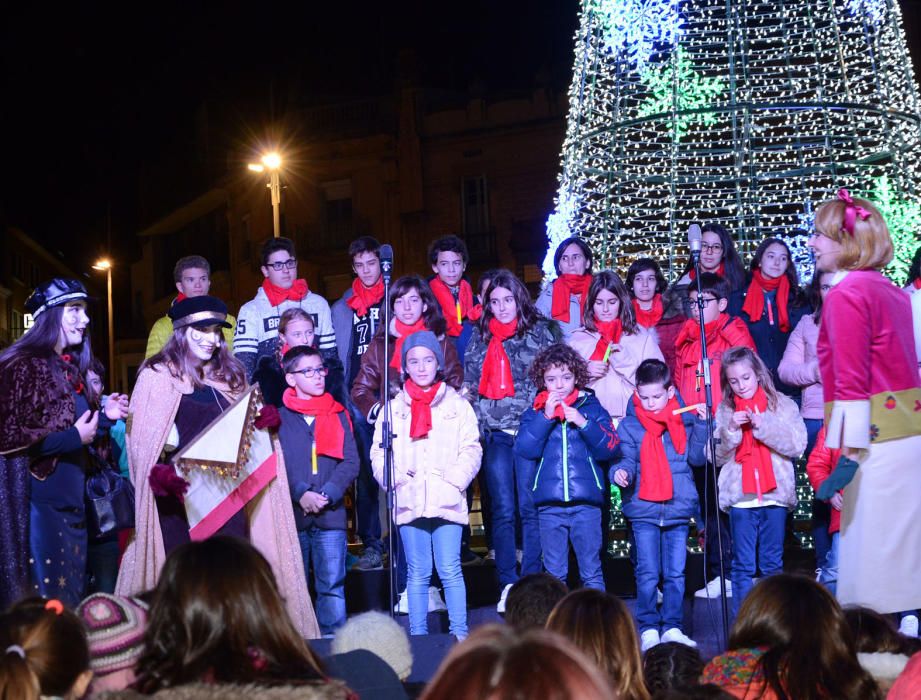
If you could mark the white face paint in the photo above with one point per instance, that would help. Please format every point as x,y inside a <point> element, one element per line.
<point>202,341</point>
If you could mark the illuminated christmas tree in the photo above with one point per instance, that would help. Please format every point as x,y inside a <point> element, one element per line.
<point>743,112</point>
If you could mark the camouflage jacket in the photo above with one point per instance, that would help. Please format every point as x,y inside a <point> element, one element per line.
<point>506,413</point>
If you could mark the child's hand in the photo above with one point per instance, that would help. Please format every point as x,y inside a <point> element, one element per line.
<point>597,369</point>
<point>739,418</point>
<point>573,416</point>
<point>117,407</point>
<point>553,400</point>
<point>313,502</point>
<point>702,411</point>
<point>755,417</point>
<point>837,501</point>
<point>621,478</point>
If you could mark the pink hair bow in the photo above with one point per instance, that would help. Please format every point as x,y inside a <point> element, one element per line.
<point>851,211</point>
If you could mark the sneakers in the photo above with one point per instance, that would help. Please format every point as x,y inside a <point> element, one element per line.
<point>659,596</point>
<point>648,640</point>
<point>519,555</point>
<point>402,606</point>
<point>909,626</point>
<point>500,607</point>
<point>676,635</point>
<point>712,589</point>
<point>436,604</point>
<point>491,555</point>
<point>369,560</point>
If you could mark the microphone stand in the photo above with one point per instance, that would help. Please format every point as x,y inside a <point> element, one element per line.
<point>387,445</point>
<point>710,467</point>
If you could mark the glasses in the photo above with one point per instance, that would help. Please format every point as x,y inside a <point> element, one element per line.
<point>290,264</point>
<point>715,248</point>
<point>692,303</point>
<point>309,372</point>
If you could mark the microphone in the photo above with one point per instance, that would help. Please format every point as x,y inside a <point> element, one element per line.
<point>694,242</point>
<point>387,261</point>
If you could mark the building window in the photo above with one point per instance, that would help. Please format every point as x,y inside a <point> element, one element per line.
<point>17,326</point>
<point>16,266</point>
<point>340,223</point>
<point>34,278</point>
<point>480,238</point>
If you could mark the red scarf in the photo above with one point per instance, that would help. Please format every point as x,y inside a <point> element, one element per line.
<point>454,310</point>
<point>564,287</point>
<point>277,295</point>
<point>403,332</point>
<point>754,299</point>
<point>420,423</point>
<point>72,373</point>
<point>721,271</point>
<point>917,283</point>
<point>690,331</point>
<point>752,454</point>
<point>180,297</point>
<point>327,428</point>
<point>656,484</point>
<point>496,378</point>
<point>650,318</point>
<point>363,298</point>
<point>610,333</point>
<point>541,400</point>
<point>476,312</point>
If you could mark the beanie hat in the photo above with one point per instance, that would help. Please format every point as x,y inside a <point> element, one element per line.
<point>424,339</point>
<point>380,634</point>
<point>114,630</point>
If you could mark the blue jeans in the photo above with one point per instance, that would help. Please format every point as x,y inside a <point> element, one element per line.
<point>508,479</point>
<point>660,551</point>
<point>368,521</point>
<point>581,525</point>
<point>325,550</point>
<point>828,576</point>
<point>423,538</point>
<point>757,538</point>
<point>715,523</point>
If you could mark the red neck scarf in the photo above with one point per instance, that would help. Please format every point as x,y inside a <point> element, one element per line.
<point>564,287</point>
<point>180,297</point>
<point>454,310</point>
<point>363,298</point>
<point>327,428</point>
<point>650,318</point>
<point>476,312</point>
<point>610,334</point>
<point>541,400</point>
<point>690,331</point>
<point>496,378</point>
<point>721,271</point>
<point>420,423</point>
<point>277,295</point>
<point>917,283</point>
<point>656,484</point>
<point>754,299</point>
<point>403,332</point>
<point>752,454</point>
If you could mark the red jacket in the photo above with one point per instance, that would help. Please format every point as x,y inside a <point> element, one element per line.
<point>733,332</point>
<point>822,461</point>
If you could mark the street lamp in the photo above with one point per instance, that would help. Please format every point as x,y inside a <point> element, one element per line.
<point>106,265</point>
<point>272,163</point>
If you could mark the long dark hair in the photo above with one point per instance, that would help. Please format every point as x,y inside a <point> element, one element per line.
<point>814,295</point>
<point>216,614</point>
<point>796,292</point>
<point>222,366</point>
<point>434,319</point>
<point>527,312</point>
<point>809,661</point>
<point>734,271</point>
<point>914,270</point>
<point>610,281</point>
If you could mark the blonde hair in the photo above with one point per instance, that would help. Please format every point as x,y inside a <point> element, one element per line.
<point>737,355</point>
<point>870,246</point>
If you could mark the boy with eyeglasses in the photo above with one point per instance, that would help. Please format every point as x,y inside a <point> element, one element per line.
<point>257,326</point>
<point>321,460</point>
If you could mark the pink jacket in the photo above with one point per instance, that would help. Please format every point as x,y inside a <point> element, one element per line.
<point>616,387</point>
<point>800,367</point>
<point>431,474</point>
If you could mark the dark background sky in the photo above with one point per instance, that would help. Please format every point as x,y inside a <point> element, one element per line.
<point>100,102</point>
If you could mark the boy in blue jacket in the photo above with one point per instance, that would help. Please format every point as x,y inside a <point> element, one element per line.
<point>569,432</point>
<point>321,461</point>
<point>658,440</point>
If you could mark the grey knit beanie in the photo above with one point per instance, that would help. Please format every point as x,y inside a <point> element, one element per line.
<point>425,339</point>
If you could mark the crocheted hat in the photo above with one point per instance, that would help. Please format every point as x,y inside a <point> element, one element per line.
<point>381,635</point>
<point>114,629</point>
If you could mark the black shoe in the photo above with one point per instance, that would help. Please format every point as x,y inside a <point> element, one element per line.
<point>369,560</point>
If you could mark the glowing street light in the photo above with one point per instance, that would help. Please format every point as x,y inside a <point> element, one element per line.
<point>271,162</point>
<point>106,266</point>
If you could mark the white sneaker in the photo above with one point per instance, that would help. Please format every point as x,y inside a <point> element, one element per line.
<point>909,626</point>
<point>648,640</point>
<point>500,607</point>
<point>712,589</point>
<point>491,555</point>
<point>436,602</point>
<point>676,635</point>
<point>659,596</point>
<point>402,606</point>
<point>519,555</point>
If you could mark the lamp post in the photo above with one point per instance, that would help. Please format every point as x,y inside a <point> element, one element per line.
<point>106,265</point>
<point>272,163</point>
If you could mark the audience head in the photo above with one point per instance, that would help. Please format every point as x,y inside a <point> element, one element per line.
<point>448,257</point>
<point>531,599</point>
<point>645,279</point>
<point>217,615</point>
<point>498,664</point>
<point>600,625</point>
<point>296,327</point>
<point>115,632</point>
<point>46,653</point>
<point>381,635</point>
<point>742,372</point>
<point>707,691</point>
<point>573,257</point>
<point>810,650</point>
<point>279,262</point>
<point>507,300</point>
<point>654,386</point>
<point>365,254</point>
<point>608,300</point>
<point>559,369</point>
<point>192,275</point>
<point>671,665</point>
<point>874,633</point>
<point>411,298</point>
<point>864,244</point>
